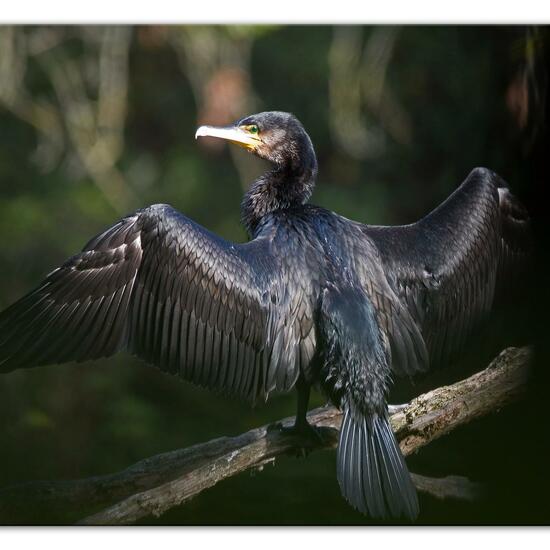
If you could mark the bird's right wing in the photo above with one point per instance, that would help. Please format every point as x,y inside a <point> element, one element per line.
<point>176,295</point>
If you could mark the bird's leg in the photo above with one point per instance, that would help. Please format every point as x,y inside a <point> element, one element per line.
<point>308,436</point>
<point>301,425</point>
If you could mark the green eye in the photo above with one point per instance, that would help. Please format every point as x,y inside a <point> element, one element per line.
<point>252,129</point>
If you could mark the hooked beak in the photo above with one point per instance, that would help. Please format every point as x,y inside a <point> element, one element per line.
<point>230,133</point>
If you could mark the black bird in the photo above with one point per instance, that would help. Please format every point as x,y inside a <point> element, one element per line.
<point>312,298</point>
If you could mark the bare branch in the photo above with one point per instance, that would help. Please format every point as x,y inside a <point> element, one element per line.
<point>456,487</point>
<point>158,483</point>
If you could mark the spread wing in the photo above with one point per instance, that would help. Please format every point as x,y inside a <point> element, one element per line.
<point>448,267</point>
<point>176,295</point>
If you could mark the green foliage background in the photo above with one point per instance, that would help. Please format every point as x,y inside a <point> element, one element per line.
<point>71,421</point>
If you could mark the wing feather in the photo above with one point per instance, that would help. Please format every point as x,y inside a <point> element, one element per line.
<point>449,267</point>
<point>166,289</point>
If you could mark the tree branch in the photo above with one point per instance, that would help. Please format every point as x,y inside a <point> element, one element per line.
<point>158,483</point>
<point>457,487</point>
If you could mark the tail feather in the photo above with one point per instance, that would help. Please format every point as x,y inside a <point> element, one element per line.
<point>372,473</point>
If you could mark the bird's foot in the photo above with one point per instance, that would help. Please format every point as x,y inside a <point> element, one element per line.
<point>392,409</point>
<point>307,436</point>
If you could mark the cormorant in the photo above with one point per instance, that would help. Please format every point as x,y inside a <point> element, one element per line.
<point>312,298</point>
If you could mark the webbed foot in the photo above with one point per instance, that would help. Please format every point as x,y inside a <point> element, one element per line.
<point>307,437</point>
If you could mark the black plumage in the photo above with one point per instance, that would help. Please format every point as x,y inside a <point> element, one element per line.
<point>312,298</point>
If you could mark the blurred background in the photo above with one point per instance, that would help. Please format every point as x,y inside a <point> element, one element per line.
<point>98,121</point>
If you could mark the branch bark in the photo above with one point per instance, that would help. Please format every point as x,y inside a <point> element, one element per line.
<point>156,484</point>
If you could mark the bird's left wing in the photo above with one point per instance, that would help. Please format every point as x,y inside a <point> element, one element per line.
<point>448,268</point>
<point>168,290</point>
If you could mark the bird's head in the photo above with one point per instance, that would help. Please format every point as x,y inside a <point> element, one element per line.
<point>281,139</point>
<point>274,136</point>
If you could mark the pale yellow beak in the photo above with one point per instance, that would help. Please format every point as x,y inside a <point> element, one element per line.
<point>233,134</point>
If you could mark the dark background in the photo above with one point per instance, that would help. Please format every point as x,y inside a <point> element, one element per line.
<point>98,121</point>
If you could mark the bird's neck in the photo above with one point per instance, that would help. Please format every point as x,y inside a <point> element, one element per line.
<point>281,188</point>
